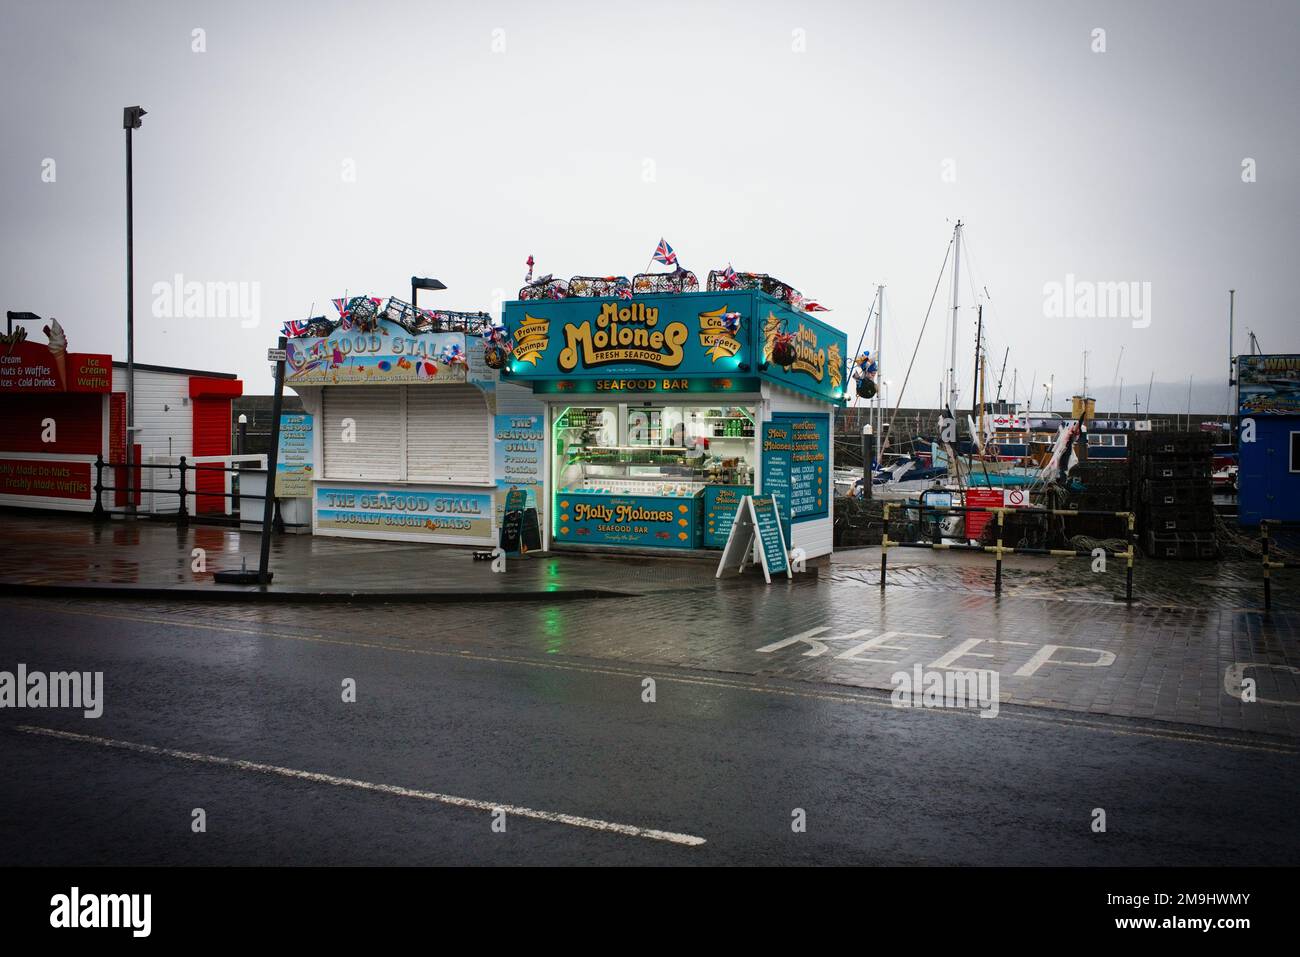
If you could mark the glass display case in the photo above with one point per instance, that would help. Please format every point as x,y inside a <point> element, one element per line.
<point>645,474</point>
<point>633,448</point>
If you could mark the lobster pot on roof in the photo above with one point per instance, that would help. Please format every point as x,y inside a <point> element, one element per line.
<point>402,313</point>
<point>545,288</point>
<point>652,283</point>
<point>419,321</point>
<point>756,280</point>
<point>599,287</point>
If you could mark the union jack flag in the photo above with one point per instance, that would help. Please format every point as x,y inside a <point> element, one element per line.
<point>814,307</point>
<point>342,306</point>
<point>729,278</point>
<point>293,329</point>
<point>624,290</point>
<point>664,254</point>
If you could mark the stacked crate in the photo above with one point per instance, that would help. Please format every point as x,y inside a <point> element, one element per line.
<point>1174,500</point>
<point>1101,485</point>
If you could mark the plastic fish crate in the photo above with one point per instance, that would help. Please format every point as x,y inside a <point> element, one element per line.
<point>1181,546</point>
<point>1175,468</point>
<point>1158,444</point>
<point>1195,493</point>
<point>1163,519</point>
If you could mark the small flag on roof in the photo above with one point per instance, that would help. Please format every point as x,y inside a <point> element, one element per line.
<point>664,253</point>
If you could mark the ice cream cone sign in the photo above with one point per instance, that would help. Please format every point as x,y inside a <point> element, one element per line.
<point>58,351</point>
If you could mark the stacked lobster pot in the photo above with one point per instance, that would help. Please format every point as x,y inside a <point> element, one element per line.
<point>1170,473</point>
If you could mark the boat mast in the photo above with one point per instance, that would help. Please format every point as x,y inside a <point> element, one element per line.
<point>879,424</point>
<point>977,386</point>
<point>956,301</point>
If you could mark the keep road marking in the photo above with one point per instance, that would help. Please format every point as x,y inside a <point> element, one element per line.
<point>551,817</point>
<point>870,698</point>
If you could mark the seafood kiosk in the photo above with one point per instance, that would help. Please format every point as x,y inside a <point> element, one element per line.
<point>665,406</point>
<point>400,412</point>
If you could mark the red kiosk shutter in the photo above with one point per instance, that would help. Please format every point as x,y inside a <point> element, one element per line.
<point>211,401</point>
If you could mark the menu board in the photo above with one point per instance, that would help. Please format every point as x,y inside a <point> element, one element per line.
<point>756,518</point>
<point>517,450</point>
<point>293,469</point>
<point>720,504</point>
<point>796,464</point>
<point>771,540</point>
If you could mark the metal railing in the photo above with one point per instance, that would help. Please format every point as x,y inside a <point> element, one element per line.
<point>1267,562</point>
<point>998,549</point>
<point>182,489</point>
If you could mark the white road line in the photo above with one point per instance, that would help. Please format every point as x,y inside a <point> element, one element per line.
<point>552,817</point>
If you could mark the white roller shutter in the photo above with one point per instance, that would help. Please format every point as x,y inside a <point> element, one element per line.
<point>376,455</point>
<point>448,435</point>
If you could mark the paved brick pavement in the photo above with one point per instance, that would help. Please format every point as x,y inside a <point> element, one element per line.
<point>1056,638</point>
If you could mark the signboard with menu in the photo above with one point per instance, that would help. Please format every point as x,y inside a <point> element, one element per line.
<point>757,521</point>
<point>293,469</point>
<point>796,463</point>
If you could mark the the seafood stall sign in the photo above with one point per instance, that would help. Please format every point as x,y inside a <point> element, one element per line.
<point>518,460</point>
<point>688,342</point>
<point>293,468</point>
<point>1268,385</point>
<point>391,356</point>
<point>389,513</point>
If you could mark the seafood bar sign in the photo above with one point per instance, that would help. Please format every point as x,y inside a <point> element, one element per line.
<point>377,358</point>
<point>688,342</point>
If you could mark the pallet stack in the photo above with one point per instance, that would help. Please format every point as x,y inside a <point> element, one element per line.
<point>1174,494</point>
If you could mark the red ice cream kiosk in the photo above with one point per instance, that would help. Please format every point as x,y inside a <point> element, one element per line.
<point>61,409</point>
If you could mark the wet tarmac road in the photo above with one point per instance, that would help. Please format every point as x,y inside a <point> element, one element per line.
<point>726,759</point>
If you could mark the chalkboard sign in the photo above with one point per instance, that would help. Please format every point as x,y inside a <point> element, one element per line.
<point>771,540</point>
<point>512,524</point>
<point>530,535</point>
<point>756,520</point>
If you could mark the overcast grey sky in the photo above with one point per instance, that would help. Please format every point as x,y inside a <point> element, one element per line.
<point>809,140</point>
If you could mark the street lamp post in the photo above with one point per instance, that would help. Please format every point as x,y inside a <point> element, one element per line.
<point>131,120</point>
<point>418,283</point>
<point>13,317</point>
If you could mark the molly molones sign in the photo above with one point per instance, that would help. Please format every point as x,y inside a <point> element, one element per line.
<point>689,342</point>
